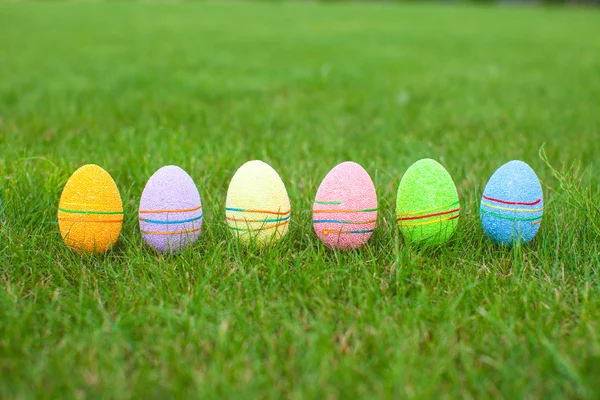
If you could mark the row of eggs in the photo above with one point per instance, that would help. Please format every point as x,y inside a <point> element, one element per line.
<point>90,212</point>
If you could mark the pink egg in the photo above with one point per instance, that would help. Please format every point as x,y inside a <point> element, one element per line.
<point>345,209</point>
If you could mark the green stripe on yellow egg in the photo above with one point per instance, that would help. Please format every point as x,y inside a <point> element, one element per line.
<point>257,205</point>
<point>90,212</point>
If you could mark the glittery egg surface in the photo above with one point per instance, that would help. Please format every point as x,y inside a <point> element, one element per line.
<point>257,207</point>
<point>170,211</point>
<point>90,212</point>
<point>345,207</point>
<point>512,204</point>
<point>427,204</point>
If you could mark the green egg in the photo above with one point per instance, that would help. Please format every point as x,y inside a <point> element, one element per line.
<point>427,205</point>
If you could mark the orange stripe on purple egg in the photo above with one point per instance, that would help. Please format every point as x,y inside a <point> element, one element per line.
<point>171,233</point>
<point>170,211</point>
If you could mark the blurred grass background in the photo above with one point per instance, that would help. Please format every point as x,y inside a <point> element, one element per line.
<point>208,86</point>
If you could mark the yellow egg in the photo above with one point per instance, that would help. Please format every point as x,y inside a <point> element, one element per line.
<point>90,212</point>
<point>257,206</point>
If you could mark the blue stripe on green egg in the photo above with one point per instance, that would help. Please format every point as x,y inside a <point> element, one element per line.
<point>512,204</point>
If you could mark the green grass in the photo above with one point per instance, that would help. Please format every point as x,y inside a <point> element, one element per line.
<point>206,86</point>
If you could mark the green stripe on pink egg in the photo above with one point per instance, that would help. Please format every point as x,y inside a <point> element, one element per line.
<point>345,208</point>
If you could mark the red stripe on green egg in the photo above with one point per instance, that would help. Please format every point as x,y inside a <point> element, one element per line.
<point>427,204</point>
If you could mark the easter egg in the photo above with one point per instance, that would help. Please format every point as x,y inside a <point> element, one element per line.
<point>90,212</point>
<point>512,204</point>
<point>257,207</point>
<point>345,207</point>
<point>427,205</point>
<point>170,212</point>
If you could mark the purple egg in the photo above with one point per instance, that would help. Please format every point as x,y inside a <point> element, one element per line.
<point>170,211</point>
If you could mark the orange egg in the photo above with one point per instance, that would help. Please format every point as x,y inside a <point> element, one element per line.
<point>90,211</point>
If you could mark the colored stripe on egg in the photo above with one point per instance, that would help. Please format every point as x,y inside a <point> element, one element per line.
<point>258,229</point>
<point>338,221</point>
<point>430,209</point>
<point>182,221</point>
<point>257,211</point>
<point>512,209</point>
<point>538,218</point>
<point>412,216</point>
<point>519,203</point>
<point>170,211</point>
<point>172,233</point>
<point>429,215</point>
<point>258,220</point>
<point>329,231</point>
<point>89,220</point>
<point>90,212</point>
<point>431,222</point>
<point>345,222</point>
<point>333,211</point>
<point>83,204</point>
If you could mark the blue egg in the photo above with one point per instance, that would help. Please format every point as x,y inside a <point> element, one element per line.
<point>512,204</point>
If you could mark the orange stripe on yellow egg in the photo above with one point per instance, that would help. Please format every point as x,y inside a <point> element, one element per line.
<point>235,228</point>
<point>83,205</point>
<point>92,212</point>
<point>257,211</point>
<point>90,220</point>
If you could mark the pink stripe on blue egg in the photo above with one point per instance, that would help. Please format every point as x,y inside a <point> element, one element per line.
<point>170,212</point>
<point>512,204</point>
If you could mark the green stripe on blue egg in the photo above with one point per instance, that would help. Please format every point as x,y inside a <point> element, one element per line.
<point>512,204</point>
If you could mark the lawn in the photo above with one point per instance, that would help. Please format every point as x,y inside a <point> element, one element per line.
<point>209,86</point>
